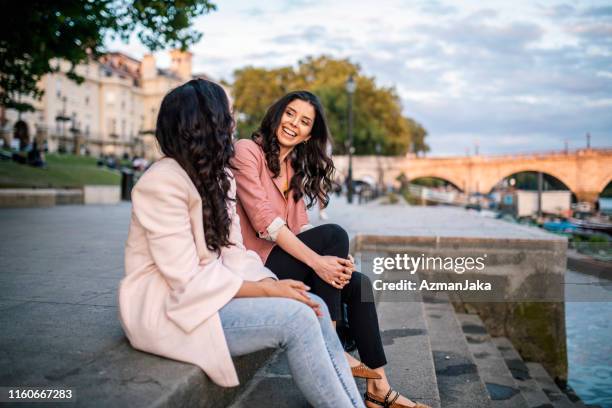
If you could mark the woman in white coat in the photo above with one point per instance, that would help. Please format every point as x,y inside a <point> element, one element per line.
<point>192,292</point>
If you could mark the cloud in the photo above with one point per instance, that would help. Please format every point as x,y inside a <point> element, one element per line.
<point>601,11</point>
<point>253,12</point>
<point>437,8</point>
<point>299,4</point>
<point>560,11</point>
<point>314,33</point>
<point>598,31</point>
<point>477,35</point>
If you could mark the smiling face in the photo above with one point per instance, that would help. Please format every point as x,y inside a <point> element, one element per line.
<point>295,124</point>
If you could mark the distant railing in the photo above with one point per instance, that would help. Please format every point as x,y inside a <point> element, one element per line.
<point>561,152</point>
<point>519,155</point>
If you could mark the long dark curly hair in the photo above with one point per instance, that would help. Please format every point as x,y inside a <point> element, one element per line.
<point>313,168</point>
<point>194,127</point>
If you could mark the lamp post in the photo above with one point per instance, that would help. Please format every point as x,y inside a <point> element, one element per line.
<point>350,89</point>
<point>381,176</point>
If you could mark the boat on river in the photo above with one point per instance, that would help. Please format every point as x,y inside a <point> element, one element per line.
<point>600,224</point>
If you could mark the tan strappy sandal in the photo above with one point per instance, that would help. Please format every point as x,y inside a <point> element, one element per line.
<point>388,402</point>
<point>363,371</point>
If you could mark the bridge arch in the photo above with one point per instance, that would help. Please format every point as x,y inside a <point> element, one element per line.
<point>450,177</point>
<point>604,183</point>
<point>568,181</point>
<point>414,179</point>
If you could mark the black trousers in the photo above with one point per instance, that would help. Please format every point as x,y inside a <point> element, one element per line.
<point>357,295</point>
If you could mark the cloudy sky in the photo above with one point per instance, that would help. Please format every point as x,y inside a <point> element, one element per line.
<point>512,77</point>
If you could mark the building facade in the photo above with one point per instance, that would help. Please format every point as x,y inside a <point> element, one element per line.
<point>112,112</point>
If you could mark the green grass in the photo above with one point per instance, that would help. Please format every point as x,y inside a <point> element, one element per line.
<point>62,171</point>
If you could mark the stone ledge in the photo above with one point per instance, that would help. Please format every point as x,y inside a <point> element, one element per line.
<point>366,241</point>
<point>27,198</point>
<point>49,197</point>
<point>527,277</point>
<point>101,194</point>
<point>124,377</point>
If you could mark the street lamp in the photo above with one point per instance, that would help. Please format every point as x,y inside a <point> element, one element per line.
<point>350,89</point>
<point>381,176</point>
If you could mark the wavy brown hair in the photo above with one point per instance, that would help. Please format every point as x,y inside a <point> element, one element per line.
<point>313,168</point>
<point>194,127</point>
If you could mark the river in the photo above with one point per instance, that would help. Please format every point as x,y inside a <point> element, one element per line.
<point>588,319</point>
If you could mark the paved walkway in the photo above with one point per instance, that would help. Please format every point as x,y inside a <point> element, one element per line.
<point>402,219</point>
<point>60,268</point>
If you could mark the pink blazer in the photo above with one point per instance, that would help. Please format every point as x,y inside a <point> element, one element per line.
<point>174,286</point>
<point>261,201</point>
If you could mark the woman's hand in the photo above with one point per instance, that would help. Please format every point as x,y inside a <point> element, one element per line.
<point>333,270</point>
<point>292,289</point>
<point>352,260</point>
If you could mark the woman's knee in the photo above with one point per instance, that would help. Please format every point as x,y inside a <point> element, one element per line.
<point>337,237</point>
<point>361,280</point>
<point>300,314</point>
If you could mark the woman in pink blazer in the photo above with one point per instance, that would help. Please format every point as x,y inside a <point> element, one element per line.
<point>192,292</point>
<point>284,164</point>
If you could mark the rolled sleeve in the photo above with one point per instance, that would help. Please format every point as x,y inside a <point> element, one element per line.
<point>273,229</point>
<point>197,291</point>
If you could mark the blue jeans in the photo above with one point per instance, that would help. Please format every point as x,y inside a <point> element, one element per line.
<point>316,357</point>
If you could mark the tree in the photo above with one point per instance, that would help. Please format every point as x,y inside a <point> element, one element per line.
<point>377,110</point>
<point>35,34</point>
<point>255,89</point>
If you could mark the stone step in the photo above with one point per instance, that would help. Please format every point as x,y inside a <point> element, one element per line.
<point>410,365</point>
<point>503,390</point>
<point>532,392</point>
<point>554,394</point>
<point>272,386</point>
<point>459,382</point>
<point>123,377</point>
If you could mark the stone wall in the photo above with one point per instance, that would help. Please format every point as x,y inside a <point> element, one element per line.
<point>526,301</point>
<point>48,197</point>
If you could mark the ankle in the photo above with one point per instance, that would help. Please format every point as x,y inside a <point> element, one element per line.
<point>376,386</point>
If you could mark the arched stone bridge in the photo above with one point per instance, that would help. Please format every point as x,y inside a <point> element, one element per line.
<point>585,172</point>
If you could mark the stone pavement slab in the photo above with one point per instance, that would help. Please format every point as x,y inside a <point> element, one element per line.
<point>492,368</point>
<point>459,383</point>
<point>443,221</point>
<point>533,394</point>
